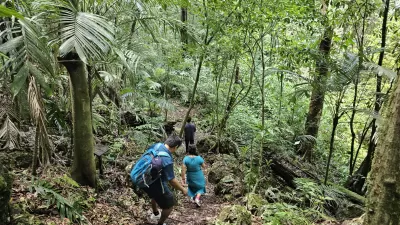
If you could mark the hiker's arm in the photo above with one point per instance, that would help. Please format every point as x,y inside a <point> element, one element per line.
<point>183,174</point>
<point>174,183</point>
<point>204,167</point>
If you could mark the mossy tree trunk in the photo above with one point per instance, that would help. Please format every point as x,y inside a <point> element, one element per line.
<point>318,93</point>
<point>83,168</point>
<point>383,204</point>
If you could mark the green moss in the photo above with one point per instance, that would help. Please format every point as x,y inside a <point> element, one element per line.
<point>349,193</point>
<point>255,202</point>
<point>5,194</point>
<point>235,214</point>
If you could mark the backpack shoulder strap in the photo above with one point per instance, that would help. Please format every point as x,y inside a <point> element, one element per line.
<point>154,149</point>
<point>165,154</point>
<point>157,146</point>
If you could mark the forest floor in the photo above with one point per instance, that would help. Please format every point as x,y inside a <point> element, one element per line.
<point>114,202</point>
<point>115,205</point>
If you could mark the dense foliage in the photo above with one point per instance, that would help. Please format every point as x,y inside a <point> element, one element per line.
<point>249,69</point>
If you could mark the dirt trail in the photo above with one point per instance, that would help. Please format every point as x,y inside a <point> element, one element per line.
<point>187,213</point>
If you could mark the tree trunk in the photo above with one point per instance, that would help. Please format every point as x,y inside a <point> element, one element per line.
<point>83,168</point>
<point>35,152</point>
<point>184,35</point>
<point>318,92</point>
<point>230,101</point>
<point>383,205</point>
<point>356,182</point>
<point>336,117</point>
<point>193,94</point>
<point>262,92</point>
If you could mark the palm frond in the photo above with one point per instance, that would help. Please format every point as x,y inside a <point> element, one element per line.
<point>97,121</point>
<point>6,12</point>
<point>87,34</point>
<point>38,116</point>
<point>29,54</point>
<point>164,104</point>
<point>380,70</point>
<point>9,133</point>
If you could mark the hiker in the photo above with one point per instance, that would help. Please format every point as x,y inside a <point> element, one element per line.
<point>158,191</point>
<point>190,129</point>
<point>193,175</point>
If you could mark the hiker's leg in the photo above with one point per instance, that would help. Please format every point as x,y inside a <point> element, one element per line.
<point>198,196</point>
<point>186,146</point>
<point>164,215</point>
<point>154,207</point>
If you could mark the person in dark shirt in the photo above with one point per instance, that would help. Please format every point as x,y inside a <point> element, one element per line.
<point>190,129</point>
<point>159,191</point>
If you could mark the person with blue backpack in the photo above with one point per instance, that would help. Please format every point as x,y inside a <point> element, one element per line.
<point>153,171</point>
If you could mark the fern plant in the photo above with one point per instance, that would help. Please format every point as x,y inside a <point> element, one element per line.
<point>66,208</point>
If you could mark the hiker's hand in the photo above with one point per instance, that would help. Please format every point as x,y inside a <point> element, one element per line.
<point>185,192</point>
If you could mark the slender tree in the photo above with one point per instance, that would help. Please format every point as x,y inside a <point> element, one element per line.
<point>335,121</point>
<point>357,181</point>
<point>184,34</point>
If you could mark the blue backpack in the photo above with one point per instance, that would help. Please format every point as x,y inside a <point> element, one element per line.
<point>148,168</point>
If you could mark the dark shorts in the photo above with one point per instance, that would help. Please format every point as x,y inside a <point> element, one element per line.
<point>164,200</point>
<point>187,142</point>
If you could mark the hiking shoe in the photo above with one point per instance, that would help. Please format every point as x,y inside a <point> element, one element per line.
<point>154,217</point>
<point>191,199</point>
<point>197,201</point>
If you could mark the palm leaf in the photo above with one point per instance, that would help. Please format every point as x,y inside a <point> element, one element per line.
<point>29,54</point>
<point>87,34</point>
<point>10,134</point>
<point>6,12</point>
<point>38,116</point>
<point>380,70</point>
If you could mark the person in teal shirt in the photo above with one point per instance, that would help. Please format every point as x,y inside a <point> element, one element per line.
<point>192,174</point>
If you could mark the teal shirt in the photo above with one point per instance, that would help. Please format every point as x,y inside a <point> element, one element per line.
<point>194,175</point>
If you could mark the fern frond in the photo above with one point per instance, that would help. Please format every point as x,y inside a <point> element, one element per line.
<point>66,208</point>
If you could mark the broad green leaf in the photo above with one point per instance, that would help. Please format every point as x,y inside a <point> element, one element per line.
<point>40,77</point>
<point>19,80</point>
<point>6,12</point>
<point>11,45</point>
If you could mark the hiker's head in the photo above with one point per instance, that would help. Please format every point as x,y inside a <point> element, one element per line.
<point>189,119</point>
<point>173,142</point>
<point>192,149</point>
